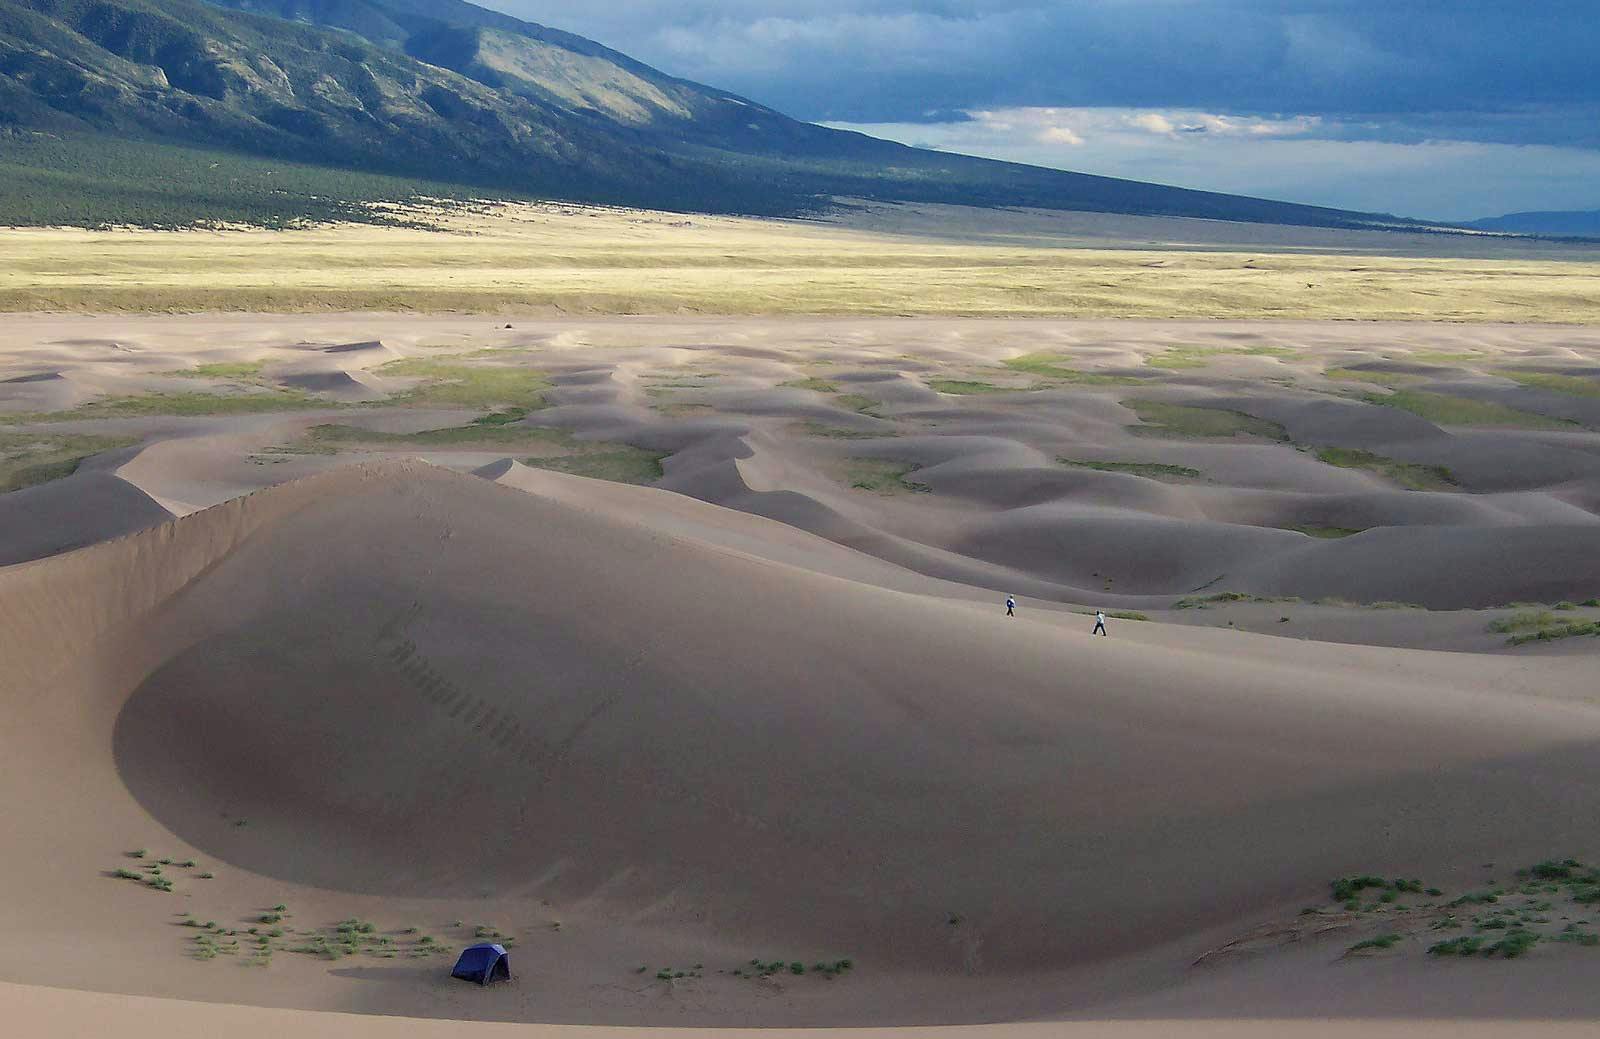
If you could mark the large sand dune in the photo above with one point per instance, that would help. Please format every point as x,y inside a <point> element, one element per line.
<point>408,690</point>
<point>313,604</point>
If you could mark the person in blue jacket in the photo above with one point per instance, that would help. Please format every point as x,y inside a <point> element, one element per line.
<point>1011,606</point>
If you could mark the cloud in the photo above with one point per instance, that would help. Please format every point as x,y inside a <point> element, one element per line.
<point>1059,135</point>
<point>1296,158</point>
<point>1073,126</point>
<point>1405,78</point>
<point>1154,122</point>
<point>883,60</point>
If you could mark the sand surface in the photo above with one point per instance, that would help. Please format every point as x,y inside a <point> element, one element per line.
<point>1455,468</point>
<point>59,1012</point>
<point>369,647</point>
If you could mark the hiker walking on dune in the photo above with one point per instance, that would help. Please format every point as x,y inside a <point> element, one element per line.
<point>1099,624</point>
<point>1011,607</point>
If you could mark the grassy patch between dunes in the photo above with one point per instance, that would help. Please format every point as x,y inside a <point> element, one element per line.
<point>452,383</point>
<point>1046,366</point>
<point>181,405</point>
<point>619,464</point>
<point>813,383</point>
<point>1523,620</point>
<point>1326,532</point>
<point>29,459</point>
<point>1526,626</point>
<point>1409,475</point>
<point>222,370</point>
<point>1180,420</point>
<point>882,475</point>
<point>1201,602</point>
<point>969,387</point>
<point>817,429</point>
<point>1459,411</point>
<point>600,460</point>
<point>1445,356</point>
<point>1571,385</point>
<point>1201,356</point>
<point>1365,375</point>
<point>682,410</point>
<point>474,435</point>
<point>848,401</point>
<point>1152,470</point>
<point>856,402</point>
<point>1569,630</point>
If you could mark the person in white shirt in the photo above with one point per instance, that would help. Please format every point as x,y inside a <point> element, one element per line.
<point>1099,624</point>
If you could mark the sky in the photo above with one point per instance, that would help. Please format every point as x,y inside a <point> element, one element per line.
<point>1438,109</point>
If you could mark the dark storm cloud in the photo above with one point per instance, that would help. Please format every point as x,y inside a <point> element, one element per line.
<point>1446,109</point>
<point>896,60</point>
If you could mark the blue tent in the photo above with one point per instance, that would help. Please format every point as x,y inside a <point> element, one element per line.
<point>483,964</point>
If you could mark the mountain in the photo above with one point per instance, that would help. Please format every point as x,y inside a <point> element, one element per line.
<point>454,94</point>
<point>1582,223</point>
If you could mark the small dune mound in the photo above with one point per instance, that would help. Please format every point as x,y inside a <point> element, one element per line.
<point>374,348</point>
<point>342,385</point>
<point>44,391</point>
<point>506,469</point>
<point>1437,567</point>
<point>82,509</point>
<point>364,355</point>
<point>1140,553</point>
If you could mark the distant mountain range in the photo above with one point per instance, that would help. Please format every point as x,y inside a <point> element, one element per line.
<point>454,94</point>
<point>1581,223</point>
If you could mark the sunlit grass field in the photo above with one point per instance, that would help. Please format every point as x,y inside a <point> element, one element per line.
<point>549,259</point>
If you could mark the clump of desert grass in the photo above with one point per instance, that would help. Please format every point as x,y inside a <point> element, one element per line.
<point>1183,421</point>
<point>1410,475</point>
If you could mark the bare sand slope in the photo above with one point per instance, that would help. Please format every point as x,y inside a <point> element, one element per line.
<point>59,1012</point>
<point>411,691</point>
<point>82,509</point>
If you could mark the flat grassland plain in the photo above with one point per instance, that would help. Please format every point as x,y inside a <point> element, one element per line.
<point>447,602</point>
<point>874,260</point>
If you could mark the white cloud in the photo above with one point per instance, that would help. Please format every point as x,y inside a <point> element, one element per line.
<point>1154,122</point>
<point>1059,135</point>
<point>1293,158</point>
<point>1074,126</point>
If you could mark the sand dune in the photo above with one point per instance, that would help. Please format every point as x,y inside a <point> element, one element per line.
<point>83,509</point>
<point>374,350</point>
<point>341,385</point>
<point>782,419</point>
<point>703,732</point>
<point>1438,566</point>
<point>774,418</point>
<point>769,707</point>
